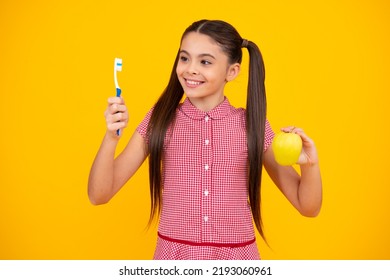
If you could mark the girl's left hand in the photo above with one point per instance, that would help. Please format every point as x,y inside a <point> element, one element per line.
<point>309,152</point>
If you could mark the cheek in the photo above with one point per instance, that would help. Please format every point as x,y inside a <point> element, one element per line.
<point>179,70</point>
<point>216,77</point>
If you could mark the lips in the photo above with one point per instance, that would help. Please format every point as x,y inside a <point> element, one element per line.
<point>193,83</point>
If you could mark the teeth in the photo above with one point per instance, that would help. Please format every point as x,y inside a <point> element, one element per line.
<point>193,82</point>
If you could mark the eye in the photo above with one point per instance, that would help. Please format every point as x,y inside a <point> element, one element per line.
<point>205,62</point>
<point>183,58</point>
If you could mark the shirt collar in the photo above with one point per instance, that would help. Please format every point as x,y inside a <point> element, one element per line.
<point>219,112</point>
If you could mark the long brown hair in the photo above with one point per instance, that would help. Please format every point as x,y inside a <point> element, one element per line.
<point>164,112</point>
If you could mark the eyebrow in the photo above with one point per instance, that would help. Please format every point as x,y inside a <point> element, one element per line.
<point>200,55</point>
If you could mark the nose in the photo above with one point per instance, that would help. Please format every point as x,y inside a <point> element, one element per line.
<point>192,68</point>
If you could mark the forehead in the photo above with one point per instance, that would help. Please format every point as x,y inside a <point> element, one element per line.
<point>197,43</point>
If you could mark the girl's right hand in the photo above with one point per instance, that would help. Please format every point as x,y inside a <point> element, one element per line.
<point>116,115</point>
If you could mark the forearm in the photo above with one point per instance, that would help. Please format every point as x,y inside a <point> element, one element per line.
<point>101,177</point>
<point>310,190</point>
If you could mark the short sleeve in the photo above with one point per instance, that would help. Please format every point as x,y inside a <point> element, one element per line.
<point>268,135</point>
<point>143,126</point>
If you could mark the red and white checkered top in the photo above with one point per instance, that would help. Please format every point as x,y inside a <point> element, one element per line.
<point>205,196</point>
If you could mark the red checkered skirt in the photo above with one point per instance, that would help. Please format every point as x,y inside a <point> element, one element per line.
<point>169,250</point>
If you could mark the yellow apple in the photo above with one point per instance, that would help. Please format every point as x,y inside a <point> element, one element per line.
<point>287,147</point>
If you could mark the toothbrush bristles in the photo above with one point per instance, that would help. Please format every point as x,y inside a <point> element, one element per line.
<point>118,64</point>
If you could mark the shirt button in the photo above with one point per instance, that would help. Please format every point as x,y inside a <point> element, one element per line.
<point>206,218</point>
<point>207,141</point>
<point>206,118</point>
<point>206,192</point>
<point>206,167</point>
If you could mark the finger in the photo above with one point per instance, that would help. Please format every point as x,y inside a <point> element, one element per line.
<point>297,130</point>
<point>115,108</point>
<point>304,136</point>
<point>115,100</point>
<point>122,117</point>
<point>121,108</point>
<point>288,129</point>
<point>118,117</point>
<point>116,113</point>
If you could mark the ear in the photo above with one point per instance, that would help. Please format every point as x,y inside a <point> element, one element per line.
<point>233,72</point>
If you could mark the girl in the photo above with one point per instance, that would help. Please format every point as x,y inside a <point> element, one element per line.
<point>205,156</point>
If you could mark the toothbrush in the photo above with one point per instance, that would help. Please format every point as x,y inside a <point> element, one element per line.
<point>117,67</point>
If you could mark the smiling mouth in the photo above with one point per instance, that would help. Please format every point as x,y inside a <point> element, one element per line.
<point>193,83</point>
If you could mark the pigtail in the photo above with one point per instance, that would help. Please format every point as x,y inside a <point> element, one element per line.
<point>256,107</point>
<point>162,116</point>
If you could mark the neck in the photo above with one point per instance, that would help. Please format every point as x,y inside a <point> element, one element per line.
<point>206,104</point>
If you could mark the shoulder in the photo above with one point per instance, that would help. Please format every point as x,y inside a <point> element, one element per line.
<point>237,112</point>
<point>269,134</point>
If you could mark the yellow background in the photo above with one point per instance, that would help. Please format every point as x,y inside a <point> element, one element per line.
<point>327,71</point>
